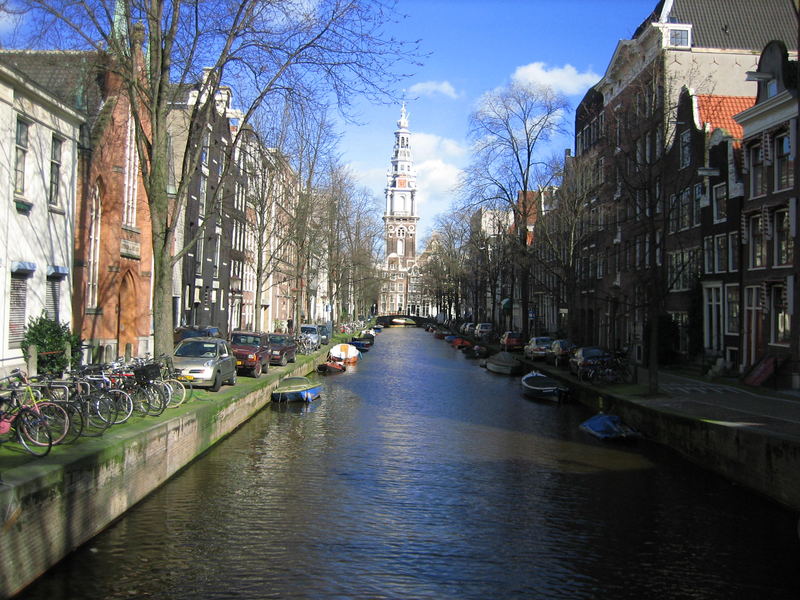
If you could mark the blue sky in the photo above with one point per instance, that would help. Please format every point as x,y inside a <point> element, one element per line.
<point>476,46</point>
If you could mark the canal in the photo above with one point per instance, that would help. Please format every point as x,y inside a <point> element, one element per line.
<point>420,475</point>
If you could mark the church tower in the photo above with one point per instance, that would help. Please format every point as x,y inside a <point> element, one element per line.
<point>400,215</point>
<point>399,293</point>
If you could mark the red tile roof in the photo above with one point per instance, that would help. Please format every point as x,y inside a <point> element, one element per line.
<point>718,111</point>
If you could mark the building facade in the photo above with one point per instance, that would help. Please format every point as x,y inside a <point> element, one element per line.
<point>40,184</point>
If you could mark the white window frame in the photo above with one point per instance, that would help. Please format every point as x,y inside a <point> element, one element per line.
<point>56,150</point>
<point>719,203</point>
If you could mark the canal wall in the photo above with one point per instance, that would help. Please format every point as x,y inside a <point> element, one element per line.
<point>50,506</point>
<point>767,463</point>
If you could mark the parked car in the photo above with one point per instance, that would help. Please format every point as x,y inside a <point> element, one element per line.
<point>282,349</point>
<point>466,328</point>
<point>205,362</point>
<point>482,330</point>
<point>181,333</point>
<point>252,352</point>
<point>559,352</point>
<point>312,331</point>
<point>585,357</point>
<point>512,340</point>
<point>536,348</point>
<point>324,334</point>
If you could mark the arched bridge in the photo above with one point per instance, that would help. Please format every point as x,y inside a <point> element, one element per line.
<point>402,321</point>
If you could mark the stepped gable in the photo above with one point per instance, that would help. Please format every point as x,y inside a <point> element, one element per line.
<point>718,111</point>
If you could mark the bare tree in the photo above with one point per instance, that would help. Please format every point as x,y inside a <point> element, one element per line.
<point>510,130</point>
<point>261,47</point>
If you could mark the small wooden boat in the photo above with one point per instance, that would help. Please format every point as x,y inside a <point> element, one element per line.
<point>504,363</point>
<point>608,427</point>
<point>296,389</point>
<point>331,367</point>
<point>345,353</point>
<point>539,386</point>
<point>480,351</point>
<point>449,338</point>
<point>460,343</point>
<point>361,345</point>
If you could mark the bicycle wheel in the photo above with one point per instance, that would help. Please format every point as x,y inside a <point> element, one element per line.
<point>180,392</point>
<point>158,399</point>
<point>33,433</point>
<point>57,420</point>
<point>102,412</point>
<point>76,421</point>
<point>124,403</point>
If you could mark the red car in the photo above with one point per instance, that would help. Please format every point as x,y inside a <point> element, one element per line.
<point>512,340</point>
<point>252,352</point>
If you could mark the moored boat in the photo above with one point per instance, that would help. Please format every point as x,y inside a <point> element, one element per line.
<point>361,345</point>
<point>346,353</point>
<point>296,389</point>
<point>504,363</point>
<point>539,386</point>
<point>331,367</point>
<point>608,427</point>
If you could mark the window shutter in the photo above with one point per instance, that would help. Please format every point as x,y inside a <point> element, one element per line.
<point>52,298</point>
<point>16,316</point>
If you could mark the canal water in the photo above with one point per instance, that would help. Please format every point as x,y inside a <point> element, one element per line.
<point>420,475</point>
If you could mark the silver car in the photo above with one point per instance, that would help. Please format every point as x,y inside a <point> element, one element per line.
<point>205,362</point>
<point>312,332</point>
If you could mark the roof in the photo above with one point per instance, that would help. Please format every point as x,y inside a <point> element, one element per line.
<point>72,77</point>
<point>718,112</point>
<point>733,24</point>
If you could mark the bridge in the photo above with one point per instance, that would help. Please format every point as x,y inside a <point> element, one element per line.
<point>402,321</point>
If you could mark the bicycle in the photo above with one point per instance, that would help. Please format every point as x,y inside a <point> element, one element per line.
<point>56,416</point>
<point>30,429</point>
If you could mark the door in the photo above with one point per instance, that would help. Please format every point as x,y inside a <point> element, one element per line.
<point>753,345</point>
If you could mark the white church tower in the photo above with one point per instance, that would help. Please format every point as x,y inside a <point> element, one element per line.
<point>400,225</point>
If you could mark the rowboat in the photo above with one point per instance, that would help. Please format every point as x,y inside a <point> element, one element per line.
<point>296,389</point>
<point>504,363</point>
<point>608,427</point>
<point>539,386</point>
<point>331,367</point>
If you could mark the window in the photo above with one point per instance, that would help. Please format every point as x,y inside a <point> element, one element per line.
<point>697,204</point>
<point>780,317</point>
<point>673,214</point>
<point>757,244</point>
<point>131,177</point>
<point>16,314</point>
<point>52,298</point>
<point>681,268</point>
<point>686,148</point>
<point>732,309</point>
<point>201,204</point>
<point>679,37</point>
<point>708,254</point>
<point>784,163</point>
<point>55,171</point>
<point>733,251</point>
<point>758,184</point>
<point>93,262</point>
<point>204,149</point>
<point>720,202</point>
<point>784,243</point>
<point>21,154</point>
<point>721,253</point>
<point>198,255</point>
<point>217,249</point>
<point>686,209</point>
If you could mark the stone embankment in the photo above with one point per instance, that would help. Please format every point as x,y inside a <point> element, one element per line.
<point>751,438</point>
<point>50,506</point>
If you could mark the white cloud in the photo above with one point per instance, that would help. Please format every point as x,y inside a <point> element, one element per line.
<point>564,79</point>
<point>432,88</point>
<point>426,146</point>
<point>436,180</point>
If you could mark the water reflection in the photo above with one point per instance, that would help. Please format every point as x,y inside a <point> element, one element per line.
<point>420,475</point>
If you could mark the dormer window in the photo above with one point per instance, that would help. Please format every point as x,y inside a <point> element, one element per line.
<point>679,37</point>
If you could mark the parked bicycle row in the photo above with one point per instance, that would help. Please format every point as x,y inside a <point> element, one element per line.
<point>38,413</point>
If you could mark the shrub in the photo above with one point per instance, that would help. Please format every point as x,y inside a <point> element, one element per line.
<point>50,336</point>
